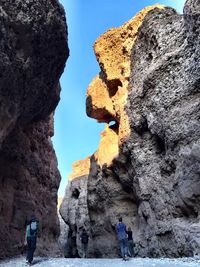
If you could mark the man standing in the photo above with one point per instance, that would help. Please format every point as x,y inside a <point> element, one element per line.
<point>130,242</point>
<point>122,237</point>
<point>84,241</point>
<point>31,239</point>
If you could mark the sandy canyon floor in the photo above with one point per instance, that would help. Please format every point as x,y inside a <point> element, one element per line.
<point>136,262</point>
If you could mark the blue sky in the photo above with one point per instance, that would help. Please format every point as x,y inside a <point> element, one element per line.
<point>76,135</point>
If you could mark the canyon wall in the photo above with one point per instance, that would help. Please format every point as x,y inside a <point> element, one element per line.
<point>33,52</point>
<point>147,166</point>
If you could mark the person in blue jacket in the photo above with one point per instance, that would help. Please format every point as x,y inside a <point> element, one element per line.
<point>122,237</point>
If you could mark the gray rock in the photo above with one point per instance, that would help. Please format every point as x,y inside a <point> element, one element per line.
<point>154,182</point>
<point>75,215</point>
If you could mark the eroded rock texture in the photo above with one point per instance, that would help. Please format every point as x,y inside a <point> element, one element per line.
<point>151,91</point>
<point>33,51</point>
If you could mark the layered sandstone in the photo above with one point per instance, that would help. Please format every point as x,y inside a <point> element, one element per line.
<point>33,51</point>
<point>149,85</point>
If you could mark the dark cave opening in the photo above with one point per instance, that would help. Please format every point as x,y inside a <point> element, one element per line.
<point>75,193</point>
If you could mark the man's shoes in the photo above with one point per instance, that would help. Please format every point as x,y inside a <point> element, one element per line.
<point>126,258</point>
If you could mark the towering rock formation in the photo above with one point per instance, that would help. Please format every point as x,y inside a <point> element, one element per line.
<point>33,51</point>
<point>147,167</point>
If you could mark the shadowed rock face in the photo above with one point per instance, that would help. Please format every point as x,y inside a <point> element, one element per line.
<point>33,51</point>
<point>152,180</point>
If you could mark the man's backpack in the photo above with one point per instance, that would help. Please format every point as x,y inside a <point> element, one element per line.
<point>84,238</point>
<point>33,227</point>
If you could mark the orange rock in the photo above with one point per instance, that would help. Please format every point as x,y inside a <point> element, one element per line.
<point>80,168</point>
<point>108,91</point>
<point>99,104</point>
<point>113,48</point>
<point>108,147</point>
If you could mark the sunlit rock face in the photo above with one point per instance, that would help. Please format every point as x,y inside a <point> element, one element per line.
<point>33,51</point>
<point>107,93</point>
<point>150,68</point>
<point>80,168</point>
<point>108,146</point>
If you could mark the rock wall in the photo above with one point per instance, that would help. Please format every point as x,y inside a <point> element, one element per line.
<point>149,86</point>
<point>33,51</point>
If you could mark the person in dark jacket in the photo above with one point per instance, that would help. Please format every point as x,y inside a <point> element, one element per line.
<point>31,239</point>
<point>130,242</point>
<point>122,237</point>
<point>84,241</point>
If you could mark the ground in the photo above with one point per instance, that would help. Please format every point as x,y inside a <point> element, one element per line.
<point>136,262</point>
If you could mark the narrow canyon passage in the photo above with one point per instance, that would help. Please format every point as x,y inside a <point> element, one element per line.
<point>146,168</point>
